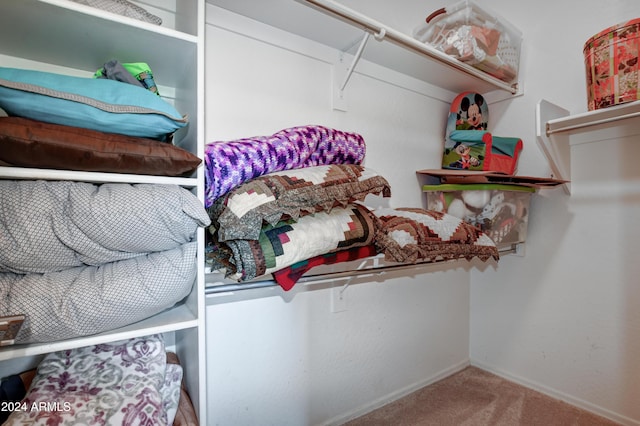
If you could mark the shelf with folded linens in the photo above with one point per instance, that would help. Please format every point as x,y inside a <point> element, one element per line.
<point>75,36</point>
<point>285,203</point>
<point>179,318</point>
<point>71,39</point>
<point>7,172</point>
<point>144,365</point>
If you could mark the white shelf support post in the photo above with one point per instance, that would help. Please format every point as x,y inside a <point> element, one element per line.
<point>556,148</point>
<point>340,73</point>
<point>356,58</point>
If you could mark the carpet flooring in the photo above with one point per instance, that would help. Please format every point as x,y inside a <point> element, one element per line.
<point>474,397</point>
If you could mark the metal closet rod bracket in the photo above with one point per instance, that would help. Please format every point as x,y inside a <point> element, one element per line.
<point>363,43</point>
<point>362,266</point>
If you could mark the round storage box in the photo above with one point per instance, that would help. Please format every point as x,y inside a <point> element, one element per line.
<point>611,62</point>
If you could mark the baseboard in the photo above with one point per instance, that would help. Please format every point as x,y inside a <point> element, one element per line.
<point>577,402</point>
<point>380,402</point>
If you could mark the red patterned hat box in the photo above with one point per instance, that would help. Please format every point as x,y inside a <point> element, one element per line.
<point>611,63</point>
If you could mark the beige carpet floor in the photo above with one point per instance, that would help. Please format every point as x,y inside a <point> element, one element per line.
<point>474,397</point>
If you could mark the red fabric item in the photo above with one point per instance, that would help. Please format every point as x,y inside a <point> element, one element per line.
<point>289,276</point>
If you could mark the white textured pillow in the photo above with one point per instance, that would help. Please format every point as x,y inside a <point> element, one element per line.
<point>91,299</point>
<point>48,226</point>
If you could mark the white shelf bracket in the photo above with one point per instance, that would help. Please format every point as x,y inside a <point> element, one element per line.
<point>342,74</point>
<point>356,58</point>
<point>555,147</point>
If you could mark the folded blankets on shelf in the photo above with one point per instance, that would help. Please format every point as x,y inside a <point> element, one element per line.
<point>404,235</point>
<point>290,241</point>
<point>78,259</point>
<point>48,226</point>
<point>409,235</point>
<point>286,203</point>
<point>229,164</point>
<point>92,299</point>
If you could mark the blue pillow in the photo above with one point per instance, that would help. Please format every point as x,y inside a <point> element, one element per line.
<point>99,104</point>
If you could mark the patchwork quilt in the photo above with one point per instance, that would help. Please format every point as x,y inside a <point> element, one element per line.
<point>276,196</point>
<point>290,241</point>
<point>289,276</point>
<point>409,235</point>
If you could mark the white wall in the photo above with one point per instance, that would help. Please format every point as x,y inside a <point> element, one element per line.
<point>565,318</point>
<point>287,359</point>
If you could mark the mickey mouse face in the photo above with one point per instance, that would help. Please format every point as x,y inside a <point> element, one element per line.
<point>474,116</point>
<point>473,112</point>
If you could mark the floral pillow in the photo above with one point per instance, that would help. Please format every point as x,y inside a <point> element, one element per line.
<point>277,196</point>
<point>408,235</point>
<point>127,382</point>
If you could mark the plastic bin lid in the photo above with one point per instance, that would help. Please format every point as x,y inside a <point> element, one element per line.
<point>448,187</point>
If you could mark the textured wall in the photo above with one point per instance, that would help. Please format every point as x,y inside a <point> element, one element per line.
<point>565,318</point>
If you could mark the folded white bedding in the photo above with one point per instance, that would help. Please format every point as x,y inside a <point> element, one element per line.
<point>48,226</point>
<point>91,299</point>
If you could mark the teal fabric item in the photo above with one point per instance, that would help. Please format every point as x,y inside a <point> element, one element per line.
<point>98,104</point>
<point>468,136</point>
<point>499,144</point>
<point>505,145</point>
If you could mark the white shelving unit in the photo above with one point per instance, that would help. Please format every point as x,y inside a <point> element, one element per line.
<point>333,24</point>
<point>557,130</point>
<point>65,37</point>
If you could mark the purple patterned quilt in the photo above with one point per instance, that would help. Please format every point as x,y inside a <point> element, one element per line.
<point>229,164</point>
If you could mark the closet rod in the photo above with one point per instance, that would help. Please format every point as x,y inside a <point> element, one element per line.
<point>406,41</point>
<point>329,276</point>
<point>551,130</point>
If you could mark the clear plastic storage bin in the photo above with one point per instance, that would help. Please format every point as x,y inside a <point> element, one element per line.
<point>476,36</point>
<point>501,211</point>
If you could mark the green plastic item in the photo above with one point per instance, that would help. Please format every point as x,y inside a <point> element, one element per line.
<point>134,69</point>
<point>141,71</point>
